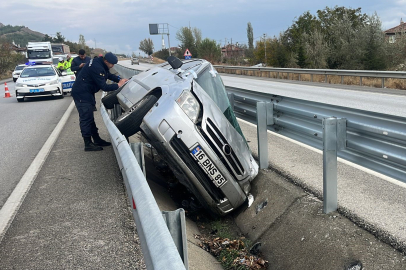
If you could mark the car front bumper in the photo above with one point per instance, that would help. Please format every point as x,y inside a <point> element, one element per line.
<point>175,136</point>
<point>46,90</point>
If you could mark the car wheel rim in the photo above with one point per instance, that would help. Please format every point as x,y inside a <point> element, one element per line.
<point>126,114</point>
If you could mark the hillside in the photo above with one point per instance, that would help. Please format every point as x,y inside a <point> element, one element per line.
<point>19,34</point>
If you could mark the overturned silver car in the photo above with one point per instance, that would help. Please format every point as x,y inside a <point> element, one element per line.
<point>183,110</point>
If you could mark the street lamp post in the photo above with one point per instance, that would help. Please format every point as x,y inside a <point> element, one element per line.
<point>265,47</point>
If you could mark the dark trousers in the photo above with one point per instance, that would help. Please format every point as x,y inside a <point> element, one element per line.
<point>86,119</point>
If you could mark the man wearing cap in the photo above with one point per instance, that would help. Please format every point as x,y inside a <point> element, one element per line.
<point>79,62</point>
<point>90,80</point>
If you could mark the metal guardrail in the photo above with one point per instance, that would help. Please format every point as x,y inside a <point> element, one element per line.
<point>158,247</point>
<point>372,140</point>
<point>126,72</point>
<point>326,72</point>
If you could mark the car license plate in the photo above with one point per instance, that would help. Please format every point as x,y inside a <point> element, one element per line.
<point>208,166</point>
<point>36,90</point>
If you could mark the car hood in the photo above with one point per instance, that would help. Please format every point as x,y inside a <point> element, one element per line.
<point>234,139</point>
<point>37,80</point>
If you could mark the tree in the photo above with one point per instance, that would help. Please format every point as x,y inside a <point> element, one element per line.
<point>162,54</point>
<point>59,38</point>
<point>341,27</point>
<point>250,36</point>
<point>82,42</point>
<point>8,58</point>
<point>316,49</point>
<point>374,53</point>
<point>147,46</point>
<point>209,50</point>
<point>189,39</point>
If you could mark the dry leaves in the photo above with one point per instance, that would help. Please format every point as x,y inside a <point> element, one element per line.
<point>243,258</point>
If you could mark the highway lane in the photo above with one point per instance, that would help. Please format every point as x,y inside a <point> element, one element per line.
<point>347,96</point>
<point>24,129</point>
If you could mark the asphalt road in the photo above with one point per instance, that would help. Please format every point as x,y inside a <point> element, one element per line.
<point>363,98</point>
<point>24,129</point>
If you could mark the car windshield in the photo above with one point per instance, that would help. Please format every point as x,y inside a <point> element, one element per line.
<point>38,54</point>
<point>213,85</point>
<point>20,67</point>
<point>37,72</point>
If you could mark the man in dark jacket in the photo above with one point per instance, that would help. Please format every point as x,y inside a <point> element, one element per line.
<point>79,61</point>
<point>90,80</point>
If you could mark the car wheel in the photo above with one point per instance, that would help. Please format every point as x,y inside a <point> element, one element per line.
<point>129,122</point>
<point>14,79</point>
<point>110,99</point>
<point>20,99</point>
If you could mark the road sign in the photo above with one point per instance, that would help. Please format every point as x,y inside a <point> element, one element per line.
<point>187,54</point>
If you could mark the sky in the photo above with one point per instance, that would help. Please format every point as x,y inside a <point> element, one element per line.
<point>120,25</point>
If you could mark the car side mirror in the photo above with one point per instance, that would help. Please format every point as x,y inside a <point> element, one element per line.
<point>64,73</point>
<point>174,62</point>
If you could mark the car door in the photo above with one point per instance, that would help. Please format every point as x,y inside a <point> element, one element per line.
<point>67,79</point>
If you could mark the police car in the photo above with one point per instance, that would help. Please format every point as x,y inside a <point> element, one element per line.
<point>43,80</point>
<point>17,71</point>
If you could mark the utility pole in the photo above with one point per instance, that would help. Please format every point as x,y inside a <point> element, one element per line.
<point>265,47</point>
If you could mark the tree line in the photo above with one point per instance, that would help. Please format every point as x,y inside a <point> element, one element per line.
<point>333,38</point>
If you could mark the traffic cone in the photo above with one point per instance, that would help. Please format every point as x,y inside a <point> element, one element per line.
<point>7,94</point>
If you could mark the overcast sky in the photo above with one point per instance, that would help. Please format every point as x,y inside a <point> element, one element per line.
<point>120,25</point>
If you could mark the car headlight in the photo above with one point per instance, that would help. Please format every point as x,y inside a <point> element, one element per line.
<point>20,85</point>
<point>189,105</point>
<point>52,82</point>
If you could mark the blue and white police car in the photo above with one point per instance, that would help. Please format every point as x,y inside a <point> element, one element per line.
<point>43,80</point>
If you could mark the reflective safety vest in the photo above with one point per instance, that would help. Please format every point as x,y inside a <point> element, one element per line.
<point>61,66</point>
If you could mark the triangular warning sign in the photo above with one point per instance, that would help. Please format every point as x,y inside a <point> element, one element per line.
<point>187,53</point>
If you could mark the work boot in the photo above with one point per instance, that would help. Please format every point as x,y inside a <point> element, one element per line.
<point>99,141</point>
<point>90,146</point>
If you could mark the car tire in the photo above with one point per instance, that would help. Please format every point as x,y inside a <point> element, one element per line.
<point>14,79</point>
<point>20,99</point>
<point>130,121</point>
<point>110,99</point>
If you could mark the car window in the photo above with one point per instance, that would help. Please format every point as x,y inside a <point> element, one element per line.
<point>213,85</point>
<point>48,71</point>
<point>37,72</point>
<point>20,67</point>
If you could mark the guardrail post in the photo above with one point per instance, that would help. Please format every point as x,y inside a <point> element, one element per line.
<point>176,223</point>
<point>329,165</point>
<point>325,78</point>
<point>383,82</point>
<point>264,118</point>
<point>360,81</point>
<point>231,100</point>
